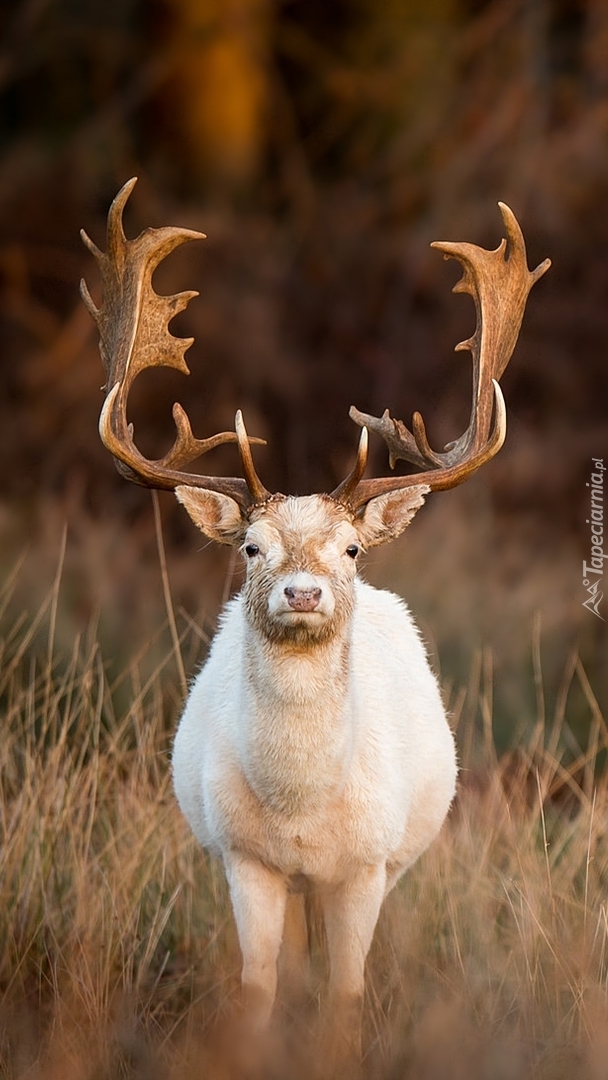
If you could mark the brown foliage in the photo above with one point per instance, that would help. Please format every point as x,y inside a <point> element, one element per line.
<point>321,152</point>
<point>118,955</point>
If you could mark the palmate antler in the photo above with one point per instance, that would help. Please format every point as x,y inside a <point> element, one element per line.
<point>134,334</point>
<point>499,282</point>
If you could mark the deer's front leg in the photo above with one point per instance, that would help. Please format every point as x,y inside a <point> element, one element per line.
<point>350,913</point>
<point>258,898</point>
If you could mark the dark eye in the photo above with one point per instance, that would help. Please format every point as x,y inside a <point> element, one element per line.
<point>251,550</point>
<point>352,550</point>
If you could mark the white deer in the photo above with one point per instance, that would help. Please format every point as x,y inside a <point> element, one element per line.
<point>314,749</point>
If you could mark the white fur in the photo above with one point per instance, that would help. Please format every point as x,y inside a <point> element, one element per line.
<point>328,760</point>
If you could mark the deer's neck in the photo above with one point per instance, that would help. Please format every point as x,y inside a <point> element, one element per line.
<point>299,738</point>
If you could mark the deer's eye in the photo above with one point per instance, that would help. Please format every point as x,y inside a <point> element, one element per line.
<point>251,550</point>
<point>352,550</point>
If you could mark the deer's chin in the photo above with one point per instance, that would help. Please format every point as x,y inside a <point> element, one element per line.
<point>299,627</point>
<point>303,618</point>
<point>309,621</point>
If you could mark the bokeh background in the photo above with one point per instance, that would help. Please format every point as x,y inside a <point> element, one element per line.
<point>322,147</point>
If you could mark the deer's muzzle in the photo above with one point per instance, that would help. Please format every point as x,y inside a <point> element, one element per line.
<point>302,599</point>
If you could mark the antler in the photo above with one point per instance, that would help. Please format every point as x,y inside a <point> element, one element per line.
<point>499,282</point>
<point>134,334</point>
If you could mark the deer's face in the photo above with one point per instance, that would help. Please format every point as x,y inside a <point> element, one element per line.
<point>301,554</point>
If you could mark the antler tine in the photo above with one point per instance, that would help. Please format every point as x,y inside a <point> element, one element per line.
<point>133,324</point>
<point>499,282</point>
<point>344,492</point>
<point>255,485</point>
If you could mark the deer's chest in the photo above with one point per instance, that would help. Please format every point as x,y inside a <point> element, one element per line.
<point>302,830</point>
<point>295,757</point>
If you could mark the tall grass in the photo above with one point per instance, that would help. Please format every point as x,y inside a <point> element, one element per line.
<point>118,956</point>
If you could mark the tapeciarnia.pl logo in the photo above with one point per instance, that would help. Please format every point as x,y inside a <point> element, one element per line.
<point>593,572</point>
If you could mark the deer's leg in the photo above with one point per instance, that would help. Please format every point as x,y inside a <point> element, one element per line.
<point>350,913</point>
<point>258,898</point>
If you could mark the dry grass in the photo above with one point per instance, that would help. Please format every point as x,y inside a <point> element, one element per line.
<point>117,953</point>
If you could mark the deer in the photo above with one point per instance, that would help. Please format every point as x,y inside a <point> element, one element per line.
<point>314,754</point>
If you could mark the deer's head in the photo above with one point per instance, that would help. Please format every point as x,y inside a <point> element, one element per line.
<point>301,552</point>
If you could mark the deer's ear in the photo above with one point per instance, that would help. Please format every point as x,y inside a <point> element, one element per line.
<point>218,516</point>
<point>386,516</point>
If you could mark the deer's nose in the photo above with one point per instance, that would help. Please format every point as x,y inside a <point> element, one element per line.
<point>302,599</point>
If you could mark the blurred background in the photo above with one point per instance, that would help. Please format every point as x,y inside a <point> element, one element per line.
<point>322,147</point>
